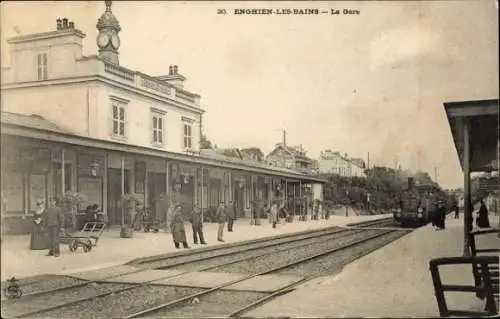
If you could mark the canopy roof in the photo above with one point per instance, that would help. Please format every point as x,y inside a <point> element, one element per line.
<point>482,117</point>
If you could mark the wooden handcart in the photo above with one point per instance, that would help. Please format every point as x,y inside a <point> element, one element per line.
<point>85,238</point>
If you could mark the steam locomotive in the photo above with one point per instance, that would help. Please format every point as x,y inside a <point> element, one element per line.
<point>417,203</point>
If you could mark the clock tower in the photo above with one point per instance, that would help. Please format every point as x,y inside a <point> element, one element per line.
<point>108,40</point>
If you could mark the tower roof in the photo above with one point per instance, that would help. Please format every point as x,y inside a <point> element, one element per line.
<point>108,19</point>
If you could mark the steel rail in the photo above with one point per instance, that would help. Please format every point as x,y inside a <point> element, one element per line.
<point>265,246</point>
<point>258,245</point>
<point>292,286</point>
<point>239,245</point>
<point>345,232</point>
<point>176,302</point>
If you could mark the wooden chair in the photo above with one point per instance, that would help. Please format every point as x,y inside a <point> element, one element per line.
<point>486,288</point>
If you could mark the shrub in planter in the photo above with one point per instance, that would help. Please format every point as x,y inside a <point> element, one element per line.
<point>132,203</point>
<point>70,202</point>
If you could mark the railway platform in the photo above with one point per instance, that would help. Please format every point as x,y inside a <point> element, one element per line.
<point>393,281</point>
<point>19,261</point>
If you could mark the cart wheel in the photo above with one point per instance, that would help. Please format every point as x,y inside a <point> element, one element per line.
<point>73,246</point>
<point>146,230</point>
<point>156,230</point>
<point>88,246</point>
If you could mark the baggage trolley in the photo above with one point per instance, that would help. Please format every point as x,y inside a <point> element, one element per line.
<point>85,238</point>
<point>150,223</point>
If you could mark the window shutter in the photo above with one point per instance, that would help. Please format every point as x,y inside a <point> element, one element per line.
<point>160,129</point>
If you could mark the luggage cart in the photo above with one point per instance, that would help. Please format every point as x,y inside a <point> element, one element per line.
<point>85,238</point>
<point>150,223</point>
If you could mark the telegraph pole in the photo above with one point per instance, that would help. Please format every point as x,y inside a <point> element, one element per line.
<point>436,174</point>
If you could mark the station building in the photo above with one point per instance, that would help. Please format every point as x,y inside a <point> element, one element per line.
<point>87,124</point>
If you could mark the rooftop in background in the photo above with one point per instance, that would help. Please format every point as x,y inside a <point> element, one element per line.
<point>483,116</point>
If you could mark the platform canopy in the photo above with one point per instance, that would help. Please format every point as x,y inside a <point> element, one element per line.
<point>482,119</point>
<point>474,126</point>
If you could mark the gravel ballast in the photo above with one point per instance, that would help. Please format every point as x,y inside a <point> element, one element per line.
<point>12,308</point>
<point>46,283</point>
<point>216,304</point>
<point>333,263</point>
<point>272,260</point>
<point>167,262</point>
<point>210,264</point>
<point>121,304</point>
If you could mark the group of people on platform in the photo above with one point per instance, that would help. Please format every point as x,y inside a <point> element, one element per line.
<point>438,216</point>
<point>175,222</point>
<point>224,214</point>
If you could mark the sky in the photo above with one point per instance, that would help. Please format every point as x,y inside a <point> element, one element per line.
<point>369,83</point>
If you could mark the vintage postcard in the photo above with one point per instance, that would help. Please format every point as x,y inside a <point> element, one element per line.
<point>205,159</point>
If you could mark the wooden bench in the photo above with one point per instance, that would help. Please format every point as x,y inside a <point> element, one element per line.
<point>485,273</point>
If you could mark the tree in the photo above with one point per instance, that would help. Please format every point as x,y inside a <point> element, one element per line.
<point>205,142</point>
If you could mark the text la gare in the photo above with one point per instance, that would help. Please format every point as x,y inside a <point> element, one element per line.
<point>345,12</point>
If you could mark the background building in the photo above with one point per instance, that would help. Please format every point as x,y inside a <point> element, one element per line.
<point>335,163</point>
<point>292,157</point>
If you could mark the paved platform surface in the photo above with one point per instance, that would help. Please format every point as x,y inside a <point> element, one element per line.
<point>203,279</point>
<point>265,283</point>
<point>19,261</point>
<point>145,275</point>
<point>393,281</point>
<point>99,274</point>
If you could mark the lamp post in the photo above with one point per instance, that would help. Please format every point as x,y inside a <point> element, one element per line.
<point>347,204</point>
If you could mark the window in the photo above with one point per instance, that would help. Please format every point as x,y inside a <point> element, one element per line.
<point>118,119</point>
<point>41,63</point>
<point>188,138</point>
<point>158,126</point>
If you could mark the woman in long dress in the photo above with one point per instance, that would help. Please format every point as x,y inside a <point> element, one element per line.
<point>482,219</point>
<point>38,238</point>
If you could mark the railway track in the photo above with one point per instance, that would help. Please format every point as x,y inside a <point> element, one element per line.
<point>46,284</point>
<point>108,298</point>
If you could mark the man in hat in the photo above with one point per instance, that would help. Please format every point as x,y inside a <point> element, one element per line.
<point>197,223</point>
<point>221,217</point>
<point>54,221</point>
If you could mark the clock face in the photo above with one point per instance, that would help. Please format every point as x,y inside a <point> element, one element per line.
<point>115,41</point>
<point>102,40</point>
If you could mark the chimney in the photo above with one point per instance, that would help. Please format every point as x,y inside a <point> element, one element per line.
<point>71,25</point>
<point>65,23</point>
<point>59,24</point>
<point>173,77</point>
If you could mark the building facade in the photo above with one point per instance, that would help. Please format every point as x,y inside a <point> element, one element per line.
<point>292,157</point>
<point>330,162</point>
<point>87,124</point>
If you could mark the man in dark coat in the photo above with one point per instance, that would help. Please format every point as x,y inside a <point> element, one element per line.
<point>54,221</point>
<point>221,217</point>
<point>197,223</point>
<point>177,228</point>
<point>231,215</point>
